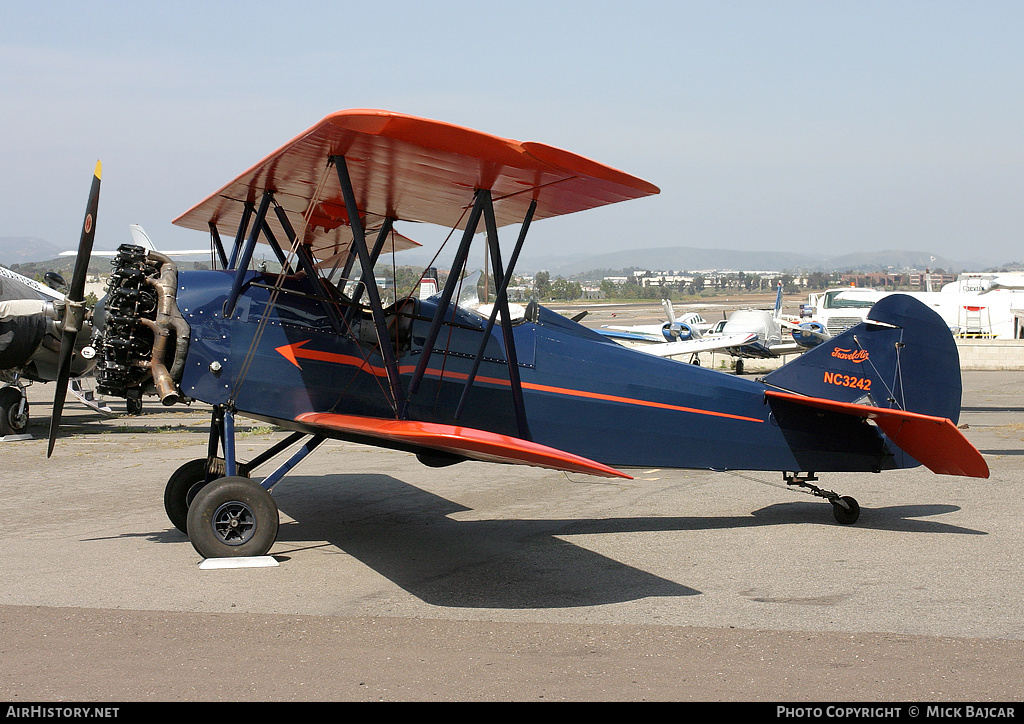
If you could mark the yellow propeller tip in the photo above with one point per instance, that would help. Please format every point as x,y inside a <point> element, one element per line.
<point>99,169</point>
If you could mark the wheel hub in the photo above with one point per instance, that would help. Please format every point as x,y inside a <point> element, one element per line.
<point>234,523</point>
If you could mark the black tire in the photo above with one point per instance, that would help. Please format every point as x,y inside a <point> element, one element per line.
<point>11,423</point>
<point>846,514</point>
<point>181,488</point>
<point>232,517</point>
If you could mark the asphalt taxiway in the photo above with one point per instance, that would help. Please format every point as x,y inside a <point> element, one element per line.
<point>397,581</point>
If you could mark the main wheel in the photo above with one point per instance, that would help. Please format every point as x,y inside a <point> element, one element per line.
<point>13,421</point>
<point>232,517</point>
<point>845,510</point>
<point>181,488</point>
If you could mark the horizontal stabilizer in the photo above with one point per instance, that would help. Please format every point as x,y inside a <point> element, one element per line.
<point>935,442</point>
<point>465,442</point>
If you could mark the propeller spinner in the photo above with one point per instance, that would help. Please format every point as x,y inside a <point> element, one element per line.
<point>74,308</point>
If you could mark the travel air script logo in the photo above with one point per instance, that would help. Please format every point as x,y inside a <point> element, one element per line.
<point>854,355</point>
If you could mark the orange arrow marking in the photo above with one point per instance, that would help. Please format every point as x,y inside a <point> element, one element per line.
<point>294,352</point>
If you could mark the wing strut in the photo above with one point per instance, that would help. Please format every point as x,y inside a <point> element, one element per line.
<point>378,247</point>
<point>241,263</point>
<point>218,245</point>
<point>370,286</point>
<point>501,305</point>
<point>307,264</point>
<point>282,258</point>
<point>449,289</point>
<point>243,226</point>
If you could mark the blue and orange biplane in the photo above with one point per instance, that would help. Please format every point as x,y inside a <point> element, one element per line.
<point>315,350</point>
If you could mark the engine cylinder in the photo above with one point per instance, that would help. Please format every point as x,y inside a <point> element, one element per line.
<point>139,328</point>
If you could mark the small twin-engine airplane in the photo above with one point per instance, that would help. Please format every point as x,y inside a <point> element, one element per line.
<point>689,325</point>
<point>450,384</point>
<point>747,333</point>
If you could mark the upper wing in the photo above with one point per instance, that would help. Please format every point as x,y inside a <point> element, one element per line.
<point>466,442</point>
<point>411,169</point>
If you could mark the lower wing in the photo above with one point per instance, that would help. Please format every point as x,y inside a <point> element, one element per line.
<point>465,442</point>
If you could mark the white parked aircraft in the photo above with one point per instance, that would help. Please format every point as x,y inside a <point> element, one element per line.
<point>688,326</point>
<point>747,333</point>
<point>141,238</point>
<point>29,345</point>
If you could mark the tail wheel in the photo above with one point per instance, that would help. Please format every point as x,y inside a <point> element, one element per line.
<point>13,417</point>
<point>845,510</point>
<point>232,517</point>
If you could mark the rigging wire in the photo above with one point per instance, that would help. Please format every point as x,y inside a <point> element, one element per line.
<point>272,301</point>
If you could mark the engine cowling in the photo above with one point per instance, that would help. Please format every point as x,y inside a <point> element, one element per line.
<point>677,331</point>
<point>809,334</point>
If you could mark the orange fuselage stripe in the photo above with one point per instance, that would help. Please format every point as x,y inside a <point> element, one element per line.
<point>294,351</point>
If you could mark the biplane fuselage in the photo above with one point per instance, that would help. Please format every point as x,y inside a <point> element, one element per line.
<point>452,383</point>
<point>583,393</point>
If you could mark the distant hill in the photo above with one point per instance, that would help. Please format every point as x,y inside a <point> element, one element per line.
<point>41,255</point>
<point>680,258</point>
<point>24,249</point>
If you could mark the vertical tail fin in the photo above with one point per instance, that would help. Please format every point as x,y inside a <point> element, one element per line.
<point>901,370</point>
<point>903,357</point>
<point>670,312</point>
<point>778,302</point>
<point>141,238</point>
<point>428,283</point>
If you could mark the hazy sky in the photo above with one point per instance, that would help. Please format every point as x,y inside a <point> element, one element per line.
<point>778,125</point>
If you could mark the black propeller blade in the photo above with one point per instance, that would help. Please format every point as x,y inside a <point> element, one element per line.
<point>74,310</point>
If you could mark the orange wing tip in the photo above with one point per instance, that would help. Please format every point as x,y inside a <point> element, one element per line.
<point>469,442</point>
<point>935,442</point>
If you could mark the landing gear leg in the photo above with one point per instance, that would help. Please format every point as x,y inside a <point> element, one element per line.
<point>212,499</point>
<point>845,509</point>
